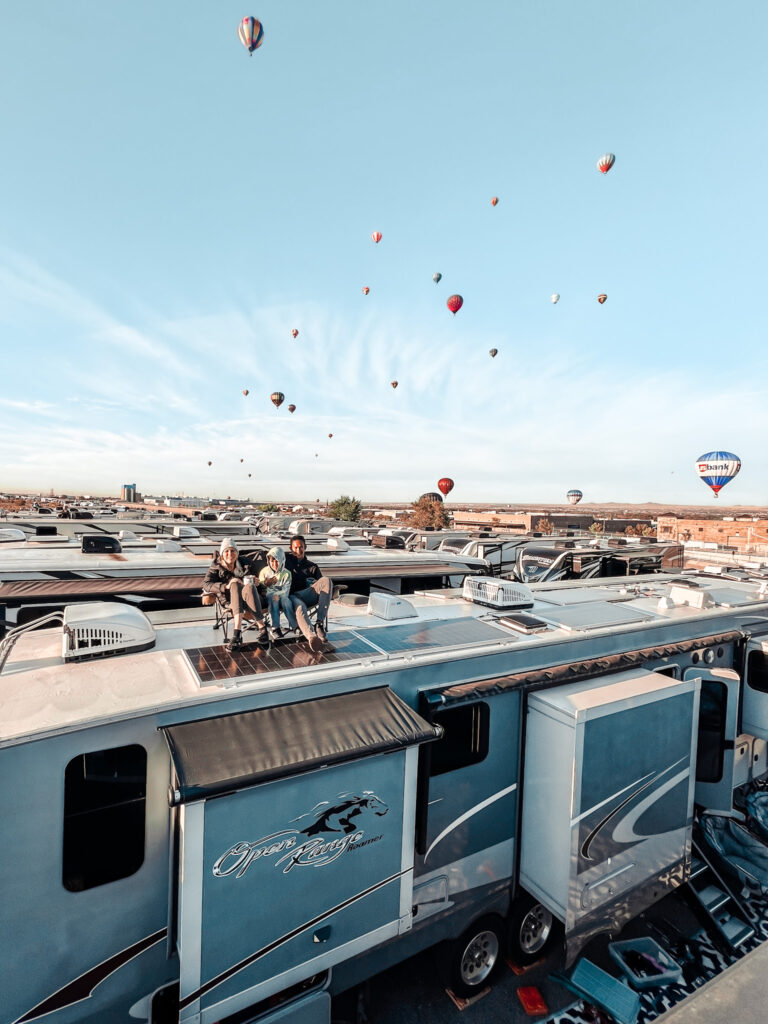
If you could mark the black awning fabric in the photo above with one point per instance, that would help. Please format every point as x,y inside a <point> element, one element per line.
<point>214,756</point>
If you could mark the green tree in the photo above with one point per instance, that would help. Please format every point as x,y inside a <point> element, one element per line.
<point>346,508</point>
<point>545,526</point>
<point>428,513</point>
<point>268,508</point>
<point>596,528</point>
<point>648,531</point>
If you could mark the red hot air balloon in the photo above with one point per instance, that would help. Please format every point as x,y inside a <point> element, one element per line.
<point>376,236</point>
<point>291,408</point>
<point>454,303</point>
<point>446,485</point>
<point>295,332</point>
<point>393,383</point>
<point>366,289</point>
<point>601,298</point>
<point>495,201</point>
<point>606,162</point>
<point>330,435</point>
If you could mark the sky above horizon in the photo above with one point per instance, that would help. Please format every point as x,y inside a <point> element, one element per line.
<point>174,208</point>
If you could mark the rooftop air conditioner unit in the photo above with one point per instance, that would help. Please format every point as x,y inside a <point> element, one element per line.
<point>390,606</point>
<point>98,628</point>
<point>497,593</point>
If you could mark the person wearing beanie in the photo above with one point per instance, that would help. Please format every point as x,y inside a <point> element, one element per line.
<point>276,580</point>
<point>225,579</point>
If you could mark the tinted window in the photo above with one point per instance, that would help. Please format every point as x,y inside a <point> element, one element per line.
<point>712,708</point>
<point>465,740</point>
<point>757,671</point>
<point>104,805</point>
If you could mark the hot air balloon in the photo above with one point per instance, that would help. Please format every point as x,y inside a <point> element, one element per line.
<point>249,476</point>
<point>242,460</point>
<point>431,496</point>
<point>495,201</point>
<point>245,392</point>
<point>493,352</point>
<point>606,162</point>
<point>291,408</point>
<point>251,33</point>
<point>366,289</point>
<point>437,278</point>
<point>454,303</point>
<point>574,496</point>
<point>717,468</point>
<point>330,435</point>
<point>554,298</point>
<point>210,463</point>
<point>295,332</point>
<point>277,398</point>
<point>601,298</point>
<point>445,484</point>
<point>376,236</point>
<point>393,383</point>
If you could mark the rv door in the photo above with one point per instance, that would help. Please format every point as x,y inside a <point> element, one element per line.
<point>755,696</point>
<point>716,737</point>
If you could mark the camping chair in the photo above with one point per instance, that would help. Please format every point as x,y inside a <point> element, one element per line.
<point>223,614</point>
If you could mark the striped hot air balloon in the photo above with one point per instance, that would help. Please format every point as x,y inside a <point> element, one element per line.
<point>376,236</point>
<point>277,398</point>
<point>717,469</point>
<point>574,496</point>
<point>601,298</point>
<point>606,162</point>
<point>251,33</point>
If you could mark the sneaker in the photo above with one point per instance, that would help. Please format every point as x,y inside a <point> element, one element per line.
<point>320,632</point>
<point>262,637</point>
<point>315,644</point>
<point>236,642</point>
<point>278,632</point>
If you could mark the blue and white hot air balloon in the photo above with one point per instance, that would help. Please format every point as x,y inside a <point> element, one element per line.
<point>717,468</point>
<point>574,496</point>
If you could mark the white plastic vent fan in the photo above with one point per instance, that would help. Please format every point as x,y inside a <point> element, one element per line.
<point>496,593</point>
<point>390,606</point>
<point>98,628</point>
<point>167,545</point>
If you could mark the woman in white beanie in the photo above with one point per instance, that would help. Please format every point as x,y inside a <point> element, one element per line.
<point>225,579</point>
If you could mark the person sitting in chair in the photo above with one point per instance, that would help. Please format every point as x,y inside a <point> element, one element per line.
<point>309,587</point>
<point>225,579</point>
<point>276,580</point>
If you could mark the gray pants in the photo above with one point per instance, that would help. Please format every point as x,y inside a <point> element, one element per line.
<point>244,597</point>
<point>318,594</point>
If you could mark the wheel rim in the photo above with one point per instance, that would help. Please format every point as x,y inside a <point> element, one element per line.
<point>535,929</point>
<point>479,958</point>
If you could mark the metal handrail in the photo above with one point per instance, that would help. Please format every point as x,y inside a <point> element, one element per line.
<point>10,638</point>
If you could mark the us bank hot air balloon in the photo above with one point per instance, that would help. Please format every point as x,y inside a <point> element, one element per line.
<point>437,278</point>
<point>277,398</point>
<point>574,496</point>
<point>376,236</point>
<point>493,352</point>
<point>295,332</point>
<point>251,33</point>
<point>366,289</point>
<point>606,162</point>
<point>454,303</point>
<point>601,298</point>
<point>446,485</point>
<point>717,469</point>
<point>291,408</point>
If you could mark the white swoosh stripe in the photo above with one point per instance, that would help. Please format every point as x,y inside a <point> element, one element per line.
<point>468,814</point>
<point>625,829</point>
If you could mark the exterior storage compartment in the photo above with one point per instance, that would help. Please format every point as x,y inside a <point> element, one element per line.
<point>608,794</point>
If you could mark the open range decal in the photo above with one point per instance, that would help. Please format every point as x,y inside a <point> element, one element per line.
<point>310,846</point>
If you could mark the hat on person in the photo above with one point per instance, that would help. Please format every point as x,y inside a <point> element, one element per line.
<point>227,543</point>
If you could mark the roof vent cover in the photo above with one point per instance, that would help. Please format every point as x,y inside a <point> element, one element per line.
<point>497,593</point>
<point>390,606</point>
<point>99,628</point>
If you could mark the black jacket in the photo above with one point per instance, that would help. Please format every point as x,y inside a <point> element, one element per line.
<point>304,572</point>
<point>218,576</point>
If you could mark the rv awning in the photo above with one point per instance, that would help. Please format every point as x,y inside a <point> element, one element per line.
<point>220,755</point>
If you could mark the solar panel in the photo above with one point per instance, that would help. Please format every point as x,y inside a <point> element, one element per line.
<point>434,633</point>
<point>217,664</point>
<point>594,615</point>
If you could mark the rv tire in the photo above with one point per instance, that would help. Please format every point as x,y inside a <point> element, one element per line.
<point>531,930</point>
<point>476,957</point>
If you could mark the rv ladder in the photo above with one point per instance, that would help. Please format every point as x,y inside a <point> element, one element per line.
<point>718,900</point>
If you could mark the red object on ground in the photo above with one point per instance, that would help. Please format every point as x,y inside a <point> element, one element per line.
<point>532,1001</point>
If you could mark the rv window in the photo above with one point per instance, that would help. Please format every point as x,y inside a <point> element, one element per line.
<point>104,796</point>
<point>465,740</point>
<point>712,710</point>
<point>757,671</point>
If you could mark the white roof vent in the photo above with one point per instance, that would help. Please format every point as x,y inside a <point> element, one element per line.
<point>167,545</point>
<point>185,531</point>
<point>8,535</point>
<point>98,628</point>
<point>390,606</point>
<point>497,593</point>
<point>337,544</point>
<point>127,535</point>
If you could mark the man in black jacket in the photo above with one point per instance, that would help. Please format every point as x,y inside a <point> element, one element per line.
<point>308,587</point>
<point>226,579</point>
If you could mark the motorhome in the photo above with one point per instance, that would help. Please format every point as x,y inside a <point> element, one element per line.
<point>194,835</point>
<point>542,562</point>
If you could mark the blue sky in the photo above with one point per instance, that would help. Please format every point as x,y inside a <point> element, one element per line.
<point>173,208</point>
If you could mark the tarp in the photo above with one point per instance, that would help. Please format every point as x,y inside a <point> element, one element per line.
<point>220,755</point>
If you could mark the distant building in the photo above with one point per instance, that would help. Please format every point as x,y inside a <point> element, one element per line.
<point>128,493</point>
<point>738,533</point>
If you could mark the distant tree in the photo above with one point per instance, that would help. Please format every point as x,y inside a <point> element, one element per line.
<point>268,508</point>
<point>346,508</point>
<point>545,526</point>
<point>596,528</point>
<point>632,531</point>
<point>428,514</point>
